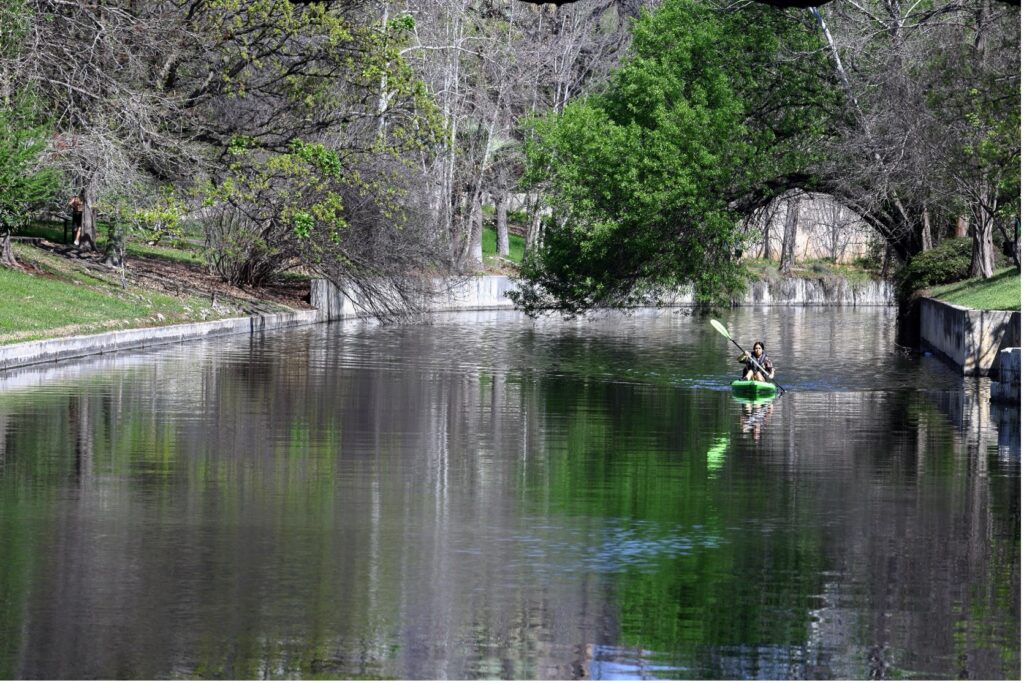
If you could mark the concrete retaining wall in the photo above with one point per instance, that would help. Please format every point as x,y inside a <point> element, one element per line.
<point>819,292</point>
<point>968,339</point>
<point>1006,387</point>
<point>47,350</point>
<point>490,292</point>
<point>472,294</point>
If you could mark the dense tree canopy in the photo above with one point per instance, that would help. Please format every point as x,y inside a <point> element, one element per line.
<point>713,111</point>
<point>364,139</point>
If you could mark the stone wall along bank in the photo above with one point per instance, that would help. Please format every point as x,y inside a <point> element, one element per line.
<point>966,338</point>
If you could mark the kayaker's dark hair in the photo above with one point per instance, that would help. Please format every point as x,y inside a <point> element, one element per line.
<point>759,342</point>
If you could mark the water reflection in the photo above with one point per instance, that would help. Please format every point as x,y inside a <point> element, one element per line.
<point>755,416</point>
<point>489,497</point>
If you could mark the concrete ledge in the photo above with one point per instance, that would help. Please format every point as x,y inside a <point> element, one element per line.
<point>490,292</point>
<point>49,350</point>
<point>1006,388</point>
<point>968,339</point>
<point>487,292</point>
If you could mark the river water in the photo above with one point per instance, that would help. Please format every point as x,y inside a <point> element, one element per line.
<point>493,497</point>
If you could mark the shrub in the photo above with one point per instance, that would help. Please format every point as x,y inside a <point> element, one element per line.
<point>946,263</point>
<point>240,250</point>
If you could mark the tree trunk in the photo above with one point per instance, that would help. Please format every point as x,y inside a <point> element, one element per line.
<point>501,221</point>
<point>115,247</point>
<point>476,234</point>
<point>88,232</point>
<point>1011,243</point>
<point>6,253</point>
<point>961,227</point>
<point>766,236</point>
<point>533,232</point>
<point>983,258</point>
<point>926,232</point>
<point>789,238</point>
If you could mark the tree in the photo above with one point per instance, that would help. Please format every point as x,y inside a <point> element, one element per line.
<point>649,180</point>
<point>489,64</point>
<point>907,150</point>
<point>978,97</point>
<point>26,182</point>
<point>220,99</point>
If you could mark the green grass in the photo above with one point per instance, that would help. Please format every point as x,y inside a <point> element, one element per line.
<point>134,245</point>
<point>64,300</point>
<point>1001,292</point>
<point>51,231</point>
<point>169,253</point>
<point>490,247</point>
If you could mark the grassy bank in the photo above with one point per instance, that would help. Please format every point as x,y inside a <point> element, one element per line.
<point>55,232</point>
<point>1001,292</point>
<point>59,298</point>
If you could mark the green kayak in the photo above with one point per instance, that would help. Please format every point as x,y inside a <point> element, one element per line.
<point>744,387</point>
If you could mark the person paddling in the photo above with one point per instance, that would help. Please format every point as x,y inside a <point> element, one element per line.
<point>750,370</point>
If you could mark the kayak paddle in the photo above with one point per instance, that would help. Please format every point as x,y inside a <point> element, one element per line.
<point>720,328</point>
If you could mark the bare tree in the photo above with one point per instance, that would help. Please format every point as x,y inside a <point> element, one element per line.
<point>898,160</point>
<point>788,251</point>
<point>490,65</point>
<point>278,94</point>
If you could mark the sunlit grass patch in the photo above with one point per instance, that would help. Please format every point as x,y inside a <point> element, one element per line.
<point>61,300</point>
<point>490,246</point>
<point>1001,292</point>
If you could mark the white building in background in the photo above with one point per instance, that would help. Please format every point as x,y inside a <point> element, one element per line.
<point>825,230</point>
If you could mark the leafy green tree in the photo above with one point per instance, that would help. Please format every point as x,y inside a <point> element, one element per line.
<point>711,115</point>
<point>25,180</point>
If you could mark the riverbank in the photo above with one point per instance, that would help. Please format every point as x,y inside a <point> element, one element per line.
<point>1001,292</point>
<point>65,292</point>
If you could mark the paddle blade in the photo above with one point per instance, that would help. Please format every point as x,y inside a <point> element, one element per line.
<point>720,328</point>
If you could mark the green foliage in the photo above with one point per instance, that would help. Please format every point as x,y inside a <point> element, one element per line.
<point>647,180</point>
<point>981,106</point>
<point>25,180</point>
<point>286,192</point>
<point>270,201</point>
<point>949,262</point>
<point>15,18</point>
<point>326,161</point>
<point>149,213</point>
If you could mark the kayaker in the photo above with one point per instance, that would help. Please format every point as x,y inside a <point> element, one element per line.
<point>751,371</point>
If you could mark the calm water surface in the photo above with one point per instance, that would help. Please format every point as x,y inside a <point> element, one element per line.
<point>491,497</point>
